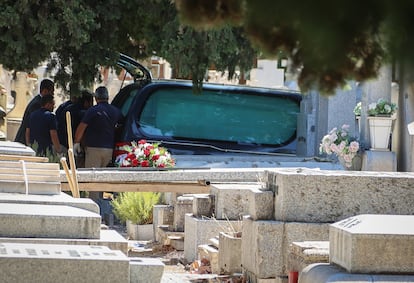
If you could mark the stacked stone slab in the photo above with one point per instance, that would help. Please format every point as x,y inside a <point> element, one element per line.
<point>45,263</point>
<point>321,196</point>
<point>367,248</point>
<point>48,236</point>
<point>29,177</point>
<point>299,204</point>
<point>48,221</point>
<point>31,196</point>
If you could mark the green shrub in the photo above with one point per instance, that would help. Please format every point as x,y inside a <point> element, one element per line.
<point>136,206</point>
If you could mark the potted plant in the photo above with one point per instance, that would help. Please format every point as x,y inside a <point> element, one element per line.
<point>380,120</point>
<point>136,210</point>
<point>344,146</point>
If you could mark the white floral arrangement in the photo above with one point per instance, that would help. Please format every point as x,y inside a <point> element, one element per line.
<point>381,107</point>
<point>340,143</point>
<point>142,154</point>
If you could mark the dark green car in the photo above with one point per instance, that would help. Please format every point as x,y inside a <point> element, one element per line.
<point>222,119</point>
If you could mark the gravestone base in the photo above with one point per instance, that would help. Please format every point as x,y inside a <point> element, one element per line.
<point>373,243</point>
<point>382,161</point>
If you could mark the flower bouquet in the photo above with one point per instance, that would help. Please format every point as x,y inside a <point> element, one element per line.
<point>340,143</point>
<point>381,108</point>
<point>142,154</point>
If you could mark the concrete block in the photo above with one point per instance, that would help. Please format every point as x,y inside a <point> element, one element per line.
<point>57,199</point>
<point>374,244</point>
<point>61,263</point>
<point>163,215</point>
<point>48,221</point>
<point>144,270</point>
<point>202,205</point>
<point>265,244</point>
<point>108,238</point>
<point>142,232</point>
<point>308,195</point>
<point>261,204</point>
<point>229,258</point>
<point>232,200</point>
<point>210,253</point>
<point>183,205</point>
<point>177,242</point>
<point>383,161</point>
<point>198,231</point>
<point>302,254</point>
<point>324,273</point>
<point>262,243</point>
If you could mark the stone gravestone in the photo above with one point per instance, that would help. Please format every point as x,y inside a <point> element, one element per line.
<point>373,244</point>
<point>367,248</point>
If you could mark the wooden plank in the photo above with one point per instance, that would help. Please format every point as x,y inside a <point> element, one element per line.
<point>30,178</point>
<point>172,187</point>
<point>11,157</point>
<point>29,171</point>
<point>30,165</point>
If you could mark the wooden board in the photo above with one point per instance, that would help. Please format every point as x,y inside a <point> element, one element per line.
<point>173,187</point>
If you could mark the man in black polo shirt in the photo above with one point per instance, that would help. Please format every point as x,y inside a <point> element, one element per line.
<point>42,127</point>
<point>97,131</point>
<point>46,87</point>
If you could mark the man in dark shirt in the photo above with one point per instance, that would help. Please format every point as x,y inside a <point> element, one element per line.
<point>97,131</point>
<point>77,110</point>
<point>42,128</point>
<point>46,87</point>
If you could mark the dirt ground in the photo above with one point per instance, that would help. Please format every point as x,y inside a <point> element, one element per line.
<point>176,269</point>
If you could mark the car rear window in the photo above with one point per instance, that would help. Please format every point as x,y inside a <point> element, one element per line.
<point>220,116</point>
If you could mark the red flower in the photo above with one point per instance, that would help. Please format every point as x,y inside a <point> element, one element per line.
<point>142,142</point>
<point>145,163</point>
<point>134,162</point>
<point>155,157</point>
<point>147,152</point>
<point>130,155</point>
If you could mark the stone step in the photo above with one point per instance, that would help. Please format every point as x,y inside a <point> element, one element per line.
<point>62,263</point>
<point>108,238</point>
<point>48,221</point>
<point>177,242</point>
<point>58,199</point>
